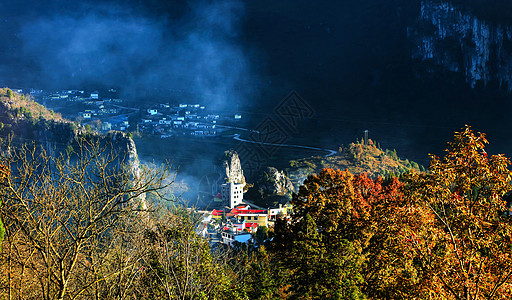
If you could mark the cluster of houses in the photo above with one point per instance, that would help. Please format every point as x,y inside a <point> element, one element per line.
<point>237,221</point>
<point>184,119</point>
<point>163,120</point>
<point>104,107</point>
<point>80,96</point>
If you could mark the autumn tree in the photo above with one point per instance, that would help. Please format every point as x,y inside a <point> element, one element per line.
<point>346,239</point>
<point>465,249</point>
<point>324,244</point>
<point>390,270</point>
<point>9,93</point>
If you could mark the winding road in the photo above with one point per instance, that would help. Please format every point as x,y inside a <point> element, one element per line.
<point>330,152</point>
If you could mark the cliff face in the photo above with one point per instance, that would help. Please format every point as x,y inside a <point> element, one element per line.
<point>461,42</point>
<point>125,146</point>
<point>233,167</point>
<point>274,181</point>
<point>29,122</point>
<point>127,151</point>
<point>271,188</point>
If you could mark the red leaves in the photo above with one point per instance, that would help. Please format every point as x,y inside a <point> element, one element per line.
<point>433,230</point>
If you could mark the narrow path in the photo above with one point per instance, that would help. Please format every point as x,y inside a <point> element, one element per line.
<point>330,152</point>
<point>239,128</point>
<point>125,107</point>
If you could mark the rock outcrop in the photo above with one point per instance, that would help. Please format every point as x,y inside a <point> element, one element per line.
<point>271,188</point>
<point>275,182</point>
<point>233,168</point>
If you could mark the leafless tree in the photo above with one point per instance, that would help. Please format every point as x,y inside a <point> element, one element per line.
<point>68,219</point>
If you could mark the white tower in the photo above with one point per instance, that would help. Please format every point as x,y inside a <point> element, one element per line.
<point>233,193</point>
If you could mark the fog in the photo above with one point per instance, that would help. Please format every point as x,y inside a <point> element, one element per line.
<point>196,54</point>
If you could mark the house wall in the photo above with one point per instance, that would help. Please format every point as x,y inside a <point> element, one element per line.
<point>261,219</point>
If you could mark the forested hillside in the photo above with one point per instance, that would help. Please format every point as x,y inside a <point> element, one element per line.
<point>29,121</point>
<point>357,158</point>
<point>77,227</point>
<point>441,234</point>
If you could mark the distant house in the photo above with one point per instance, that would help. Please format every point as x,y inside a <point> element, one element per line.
<point>257,216</point>
<point>217,214</point>
<point>243,226</point>
<point>87,114</point>
<point>203,132</point>
<point>119,122</point>
<point>228,238</point>
<point>246,226</point>
<point>95,95</point>
<point>273,213</point>
<point>152,111</point>
<point>205,126</point>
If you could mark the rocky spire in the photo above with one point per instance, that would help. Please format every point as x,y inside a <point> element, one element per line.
<point>234,172</point>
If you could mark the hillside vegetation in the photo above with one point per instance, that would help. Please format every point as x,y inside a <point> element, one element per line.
<point>81,229</point>
<point>357,158</point>
<point>21,106</point>
<point>28,121</point>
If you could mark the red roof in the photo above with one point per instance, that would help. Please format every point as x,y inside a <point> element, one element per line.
<point>216,212</point>
<point>253,225</point>
<point>248,211</point>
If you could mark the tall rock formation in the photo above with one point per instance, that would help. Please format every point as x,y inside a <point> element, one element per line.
<point>461,42</point>
<point>233,167</point>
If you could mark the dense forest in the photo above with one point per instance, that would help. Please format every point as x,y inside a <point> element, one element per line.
<point>78,225</point>
<point>82,218</point>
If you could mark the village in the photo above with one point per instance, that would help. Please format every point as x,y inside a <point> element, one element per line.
<point>105,111</point>
<point>233,219</point>
<point>237,220</point>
